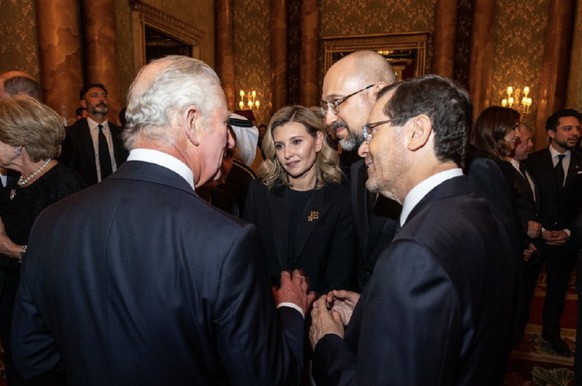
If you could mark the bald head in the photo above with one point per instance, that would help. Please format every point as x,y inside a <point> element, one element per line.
<point>360,75</point>
<point>14,83</point>
<point>363,67</point>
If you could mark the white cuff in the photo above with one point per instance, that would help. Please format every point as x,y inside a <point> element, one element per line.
<point>291,305</point>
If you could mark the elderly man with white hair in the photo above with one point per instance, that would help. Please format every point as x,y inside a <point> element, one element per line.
<point>138,281</point>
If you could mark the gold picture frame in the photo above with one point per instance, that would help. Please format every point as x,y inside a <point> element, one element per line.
<point>405,51</point>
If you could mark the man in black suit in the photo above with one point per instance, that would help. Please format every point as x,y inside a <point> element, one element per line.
<point>524,194</point>
<point>93,146</point>
<point>437,308</point>
<point>558,172</point>
<point>350,87</point>
<point>138,281</point>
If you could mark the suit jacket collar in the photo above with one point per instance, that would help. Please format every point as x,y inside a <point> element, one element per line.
<point>452,187</point>
<point>314,211</point>
<point>361,197</point>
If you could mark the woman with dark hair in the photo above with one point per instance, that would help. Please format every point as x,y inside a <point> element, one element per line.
<point>494,137</point>
<point>299,205</point>
<point>30,139</point>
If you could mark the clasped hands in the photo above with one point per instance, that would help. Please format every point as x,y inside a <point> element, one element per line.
<point>331,313</point>
<point>555,237</point>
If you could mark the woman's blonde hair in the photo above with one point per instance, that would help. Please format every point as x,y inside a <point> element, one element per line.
<point>327,160</point>
<point>24,121</point>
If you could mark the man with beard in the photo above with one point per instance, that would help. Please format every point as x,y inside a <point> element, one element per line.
<point>350,88</point>
<point>93,145</point>
<point>437,309</point>
<point>558,173</point>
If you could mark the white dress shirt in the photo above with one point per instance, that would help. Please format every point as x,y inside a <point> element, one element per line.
<point>165,160</point>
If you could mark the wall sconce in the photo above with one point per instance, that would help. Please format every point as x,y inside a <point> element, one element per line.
<point>522,107</point>
<point>252,101</point>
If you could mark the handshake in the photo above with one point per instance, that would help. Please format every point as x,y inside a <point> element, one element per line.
<point>330,313</point>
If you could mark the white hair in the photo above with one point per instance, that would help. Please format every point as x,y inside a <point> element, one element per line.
<point>162,90</point>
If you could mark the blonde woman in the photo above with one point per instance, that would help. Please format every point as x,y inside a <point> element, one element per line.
<point>299,204</point>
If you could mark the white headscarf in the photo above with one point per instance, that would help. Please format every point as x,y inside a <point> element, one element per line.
<point>247,136</point>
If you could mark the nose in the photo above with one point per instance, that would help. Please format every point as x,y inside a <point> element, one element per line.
<point>329,117</point>
<point>363,149</point>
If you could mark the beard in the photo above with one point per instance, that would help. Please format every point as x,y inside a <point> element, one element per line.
<point>352,141</point>
<point>101,108</point>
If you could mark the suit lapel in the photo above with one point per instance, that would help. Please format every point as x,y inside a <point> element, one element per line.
<point>87,141</point>
<point>573,170</point>
<point>315,210</point>
<point>279,208</point>
<point>360,194</point>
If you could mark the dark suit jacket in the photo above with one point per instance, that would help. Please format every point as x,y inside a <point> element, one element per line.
<point>324,241</point>
<point>78,153</point>
<point>558,209</point>
<point>437,308</point>
<point>374,226</point>
<point>524,204</point>
<point>138,281</point>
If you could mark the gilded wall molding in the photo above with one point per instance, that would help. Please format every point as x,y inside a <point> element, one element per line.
<point>145,15</point>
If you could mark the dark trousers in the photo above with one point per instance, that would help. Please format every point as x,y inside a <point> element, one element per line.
<point>559,261</point>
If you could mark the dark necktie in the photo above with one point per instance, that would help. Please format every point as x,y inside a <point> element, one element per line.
<point>104,157</point>
<point>559,171</point>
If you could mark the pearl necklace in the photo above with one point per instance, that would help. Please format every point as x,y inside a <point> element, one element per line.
<point>22,182</point>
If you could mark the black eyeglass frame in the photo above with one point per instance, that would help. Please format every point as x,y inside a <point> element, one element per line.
<point>334,104</point>
<point>368,129</point>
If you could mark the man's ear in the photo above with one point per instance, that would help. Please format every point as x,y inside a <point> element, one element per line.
<point>376,89</point>
<point>192,124</point>
<point>83,103</point>
<point>418,132</point>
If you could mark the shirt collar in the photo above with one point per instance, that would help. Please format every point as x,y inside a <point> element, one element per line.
<point>556,153</point>
<point>165,160</point>
<point>422,189</point>
<point>93,124</point>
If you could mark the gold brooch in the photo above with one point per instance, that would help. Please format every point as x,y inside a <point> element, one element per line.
<point>314,215</point>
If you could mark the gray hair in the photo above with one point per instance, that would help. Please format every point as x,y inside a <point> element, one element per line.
<point>162,90</point>
<point>22,85</point>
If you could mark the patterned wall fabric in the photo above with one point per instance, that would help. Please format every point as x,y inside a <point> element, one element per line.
<point>519,47</point>
<point>251,53</point>
<point>574,99</point>
<point>342,18</point>
<point>294,36</point>
<point>19,44</point>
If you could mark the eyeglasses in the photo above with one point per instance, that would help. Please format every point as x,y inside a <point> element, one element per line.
<point>368,129</point>
<point>333,105</point>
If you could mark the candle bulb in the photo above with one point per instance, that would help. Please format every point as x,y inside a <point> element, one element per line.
<point>526,90</point>
<point>241,105</point>
<point>257,104</point>
<point>242,94</point>
<point>504,102</point>
<point>510,90</point>
<point>254,93</point>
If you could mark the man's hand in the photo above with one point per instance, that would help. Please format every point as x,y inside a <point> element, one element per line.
<point>534,229</point>
<point>343,302</point>
<point>528,252</point>
<point>294,289</point>
<point>324,321</point>
<point>555,237</point>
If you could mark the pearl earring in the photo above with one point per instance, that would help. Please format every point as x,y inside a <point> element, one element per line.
<point>17,150</point>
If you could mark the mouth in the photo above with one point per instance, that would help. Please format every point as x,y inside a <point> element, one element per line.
<point>291,164</point>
